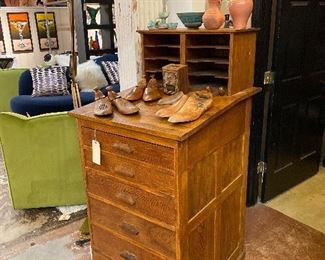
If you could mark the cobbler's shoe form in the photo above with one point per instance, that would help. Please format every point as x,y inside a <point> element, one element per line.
<point>98,94</point>
<point>194,107</point>
<point>137,92</point>
<point>169,100</point>
<point>103,106</point>
<point>151,93</point>
<point>172,109</point>
<point>123,106</point>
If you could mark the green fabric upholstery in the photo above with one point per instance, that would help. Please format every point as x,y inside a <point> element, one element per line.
<point>9,79</point>
<point>42,159</point>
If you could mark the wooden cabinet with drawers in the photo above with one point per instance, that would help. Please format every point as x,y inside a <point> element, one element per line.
<point>167,191</point>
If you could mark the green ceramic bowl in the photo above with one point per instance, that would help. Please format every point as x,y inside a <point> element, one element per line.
<point>191,19</point>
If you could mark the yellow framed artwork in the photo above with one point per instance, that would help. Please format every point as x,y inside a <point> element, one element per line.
<point>47,35</point>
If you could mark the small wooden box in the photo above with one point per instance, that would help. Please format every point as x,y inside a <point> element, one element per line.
<point>175,78</point>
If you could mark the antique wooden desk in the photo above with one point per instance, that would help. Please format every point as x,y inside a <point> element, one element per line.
<point>167,191</point>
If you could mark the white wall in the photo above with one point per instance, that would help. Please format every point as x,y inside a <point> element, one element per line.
<point>32,59</point>
<point>132,15</point>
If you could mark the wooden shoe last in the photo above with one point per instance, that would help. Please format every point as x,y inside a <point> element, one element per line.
<point>123,106</point>
<point>194,107</point>
<point>151,93</point>
<point>136,93</point>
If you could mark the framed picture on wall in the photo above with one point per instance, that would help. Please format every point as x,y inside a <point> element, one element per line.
<point>21,37</point>
<point>47,35</point>
<point>2,43</point>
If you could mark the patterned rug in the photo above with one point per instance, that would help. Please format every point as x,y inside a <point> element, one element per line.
<point>19,225</point>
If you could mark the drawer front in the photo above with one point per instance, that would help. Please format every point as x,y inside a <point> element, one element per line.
<point>135,228</point>
<point>116,248</point>
<point>159,207</point>
<point>98,256</point>
<point>154,178</point>
<point>139,150</point>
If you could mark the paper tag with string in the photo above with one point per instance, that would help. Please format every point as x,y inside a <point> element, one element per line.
<point>96,150</point>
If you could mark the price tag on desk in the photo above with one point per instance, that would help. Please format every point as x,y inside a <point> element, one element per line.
<point>96,152</point>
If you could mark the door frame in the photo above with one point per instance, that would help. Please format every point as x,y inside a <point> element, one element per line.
<point>263,17</point>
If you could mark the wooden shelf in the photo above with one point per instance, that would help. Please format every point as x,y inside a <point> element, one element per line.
<point>209,60</point>
<point>216,47</point>
<point>173,59</point>
<point>162,46</point>
<point>101,51</point>
<point>102,2</point>
<point>100,26</point>
<point>212,56</point>
<point>209,73</point>
<point>154,71</point>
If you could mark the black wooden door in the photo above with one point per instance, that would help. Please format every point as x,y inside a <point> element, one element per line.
<point>295,129</point>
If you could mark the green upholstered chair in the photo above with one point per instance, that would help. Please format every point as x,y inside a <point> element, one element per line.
<point>9,79</point>
<point>42,159</point>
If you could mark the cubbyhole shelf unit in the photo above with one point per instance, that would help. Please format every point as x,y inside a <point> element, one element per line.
<point>215,58</point>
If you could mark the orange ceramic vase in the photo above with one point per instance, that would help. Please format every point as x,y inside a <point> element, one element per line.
<point>213,18</point>
<point>240,10</point>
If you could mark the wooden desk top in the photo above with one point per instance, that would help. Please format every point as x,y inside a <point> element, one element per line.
<point>197,31</point>
<point>146,122</point>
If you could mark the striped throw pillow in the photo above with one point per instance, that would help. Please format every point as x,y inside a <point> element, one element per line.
<point>50,81</point>
<point>111,69</point>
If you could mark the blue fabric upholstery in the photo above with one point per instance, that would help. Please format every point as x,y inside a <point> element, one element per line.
<point>25,103</point>
<point>106,57</point>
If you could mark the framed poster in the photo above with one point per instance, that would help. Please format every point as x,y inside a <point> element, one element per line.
<point>21,38</point>
<point>44,39</point>
<point>2,43</point>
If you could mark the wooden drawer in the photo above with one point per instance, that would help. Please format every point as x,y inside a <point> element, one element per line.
<point>139,150</point>
<point>154,178</point>
<point>135,228</point>
<point>161,207</point>
<point>98,256</point>
<point>116,248</point>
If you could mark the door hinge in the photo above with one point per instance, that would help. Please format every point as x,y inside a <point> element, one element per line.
<point>261,167</point>
<point>268,77</point>
<point>261,170</point>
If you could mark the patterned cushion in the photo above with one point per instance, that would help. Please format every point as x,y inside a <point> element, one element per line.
<point>111,69</point>
<point>50,81</point>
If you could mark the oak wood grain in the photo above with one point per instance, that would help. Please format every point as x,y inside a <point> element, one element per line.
<point>137,229</point>
<point>156,179</point>
<point>135,199</point>
<point>147,123</point>
<point>168,191</point>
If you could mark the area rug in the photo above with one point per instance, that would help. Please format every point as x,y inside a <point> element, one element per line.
<point>274,236</point>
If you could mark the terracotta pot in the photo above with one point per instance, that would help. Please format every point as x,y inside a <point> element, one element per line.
<point>240,10</point>
<point>213,18</point>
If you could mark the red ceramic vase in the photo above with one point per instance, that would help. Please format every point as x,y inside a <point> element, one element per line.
<point>213,18</point>
<point>240,10</point>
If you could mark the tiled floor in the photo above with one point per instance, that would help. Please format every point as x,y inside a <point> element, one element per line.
<point>305,202</point>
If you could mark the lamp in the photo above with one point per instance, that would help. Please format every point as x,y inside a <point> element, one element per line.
<point>73,57</point>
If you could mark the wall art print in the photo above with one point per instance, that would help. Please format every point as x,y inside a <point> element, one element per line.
<point>2,43</point>
<point>21,38</point>
<point>44,39</point>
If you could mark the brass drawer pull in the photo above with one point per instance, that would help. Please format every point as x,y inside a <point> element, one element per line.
<point>128,228</point>
<point>124,172</point>
<point>126,198</point>
<point>123,147</point>
<point>127,255</point>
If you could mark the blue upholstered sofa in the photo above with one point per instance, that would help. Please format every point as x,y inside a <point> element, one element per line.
<point>25,104</point>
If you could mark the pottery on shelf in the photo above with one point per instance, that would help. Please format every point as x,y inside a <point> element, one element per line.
<point>92,13</point>
<point>240,11</point>
<point>191,19</point>
<point>213,18</point>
